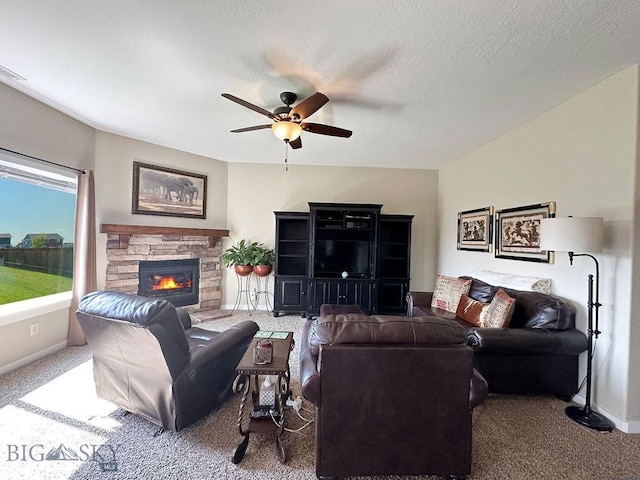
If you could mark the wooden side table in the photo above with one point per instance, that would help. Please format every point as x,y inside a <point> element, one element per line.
<point>263,420</point>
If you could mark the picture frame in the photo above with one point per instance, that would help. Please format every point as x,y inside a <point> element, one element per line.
<point>475,230</point>
<point>166,191</point>
<point>517,232</point>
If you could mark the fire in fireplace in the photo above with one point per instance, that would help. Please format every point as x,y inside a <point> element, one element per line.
<point>170,284</point>
<point>174,280</point>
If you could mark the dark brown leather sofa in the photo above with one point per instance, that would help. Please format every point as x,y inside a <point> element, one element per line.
<point>393,395</point>
<point>149,360</point>
<point>539,351</point>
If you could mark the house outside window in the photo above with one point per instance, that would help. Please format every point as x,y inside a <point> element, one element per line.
<point>5,240</point>
<point>41,240</point>
<point>36,232</point>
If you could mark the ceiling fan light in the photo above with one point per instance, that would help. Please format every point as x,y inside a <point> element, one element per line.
<point>287,131</point>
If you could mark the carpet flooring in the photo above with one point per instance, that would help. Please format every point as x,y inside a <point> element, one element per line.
<point>50,408</point>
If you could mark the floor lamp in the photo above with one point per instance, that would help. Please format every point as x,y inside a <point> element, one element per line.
<point>580,234</point>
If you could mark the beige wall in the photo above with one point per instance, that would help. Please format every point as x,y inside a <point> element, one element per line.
<point>113,172</point>
<point>257,190</point>
<point>633,408</point>
<point>18,347</point>
<point>582,155</point>
<point>30,127</point>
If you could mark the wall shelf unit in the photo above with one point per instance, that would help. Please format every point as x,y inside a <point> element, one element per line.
<point>291,265</point>
<point>342,253</point>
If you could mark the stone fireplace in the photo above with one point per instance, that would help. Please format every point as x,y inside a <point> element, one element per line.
<point>129,246</point>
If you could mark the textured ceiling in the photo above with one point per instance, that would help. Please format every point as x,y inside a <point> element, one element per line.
<point>419,82</point>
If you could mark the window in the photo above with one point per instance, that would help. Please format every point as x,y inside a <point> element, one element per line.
<point>37,217</point>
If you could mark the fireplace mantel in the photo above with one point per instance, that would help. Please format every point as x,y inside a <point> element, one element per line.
<point>126,231</point>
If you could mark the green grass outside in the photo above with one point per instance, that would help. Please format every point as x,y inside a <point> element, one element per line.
<point>17,284</point>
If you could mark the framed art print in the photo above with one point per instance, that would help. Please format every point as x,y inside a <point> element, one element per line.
<point>475,230</point>
<point>518,232</point>
<point>166,191</point>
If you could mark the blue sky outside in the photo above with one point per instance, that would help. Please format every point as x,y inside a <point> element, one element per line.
<point>26,208</point>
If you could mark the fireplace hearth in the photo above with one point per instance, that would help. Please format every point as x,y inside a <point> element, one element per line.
<point>174,280</point>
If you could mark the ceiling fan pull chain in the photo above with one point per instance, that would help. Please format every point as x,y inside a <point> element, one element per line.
<point>286,156</point>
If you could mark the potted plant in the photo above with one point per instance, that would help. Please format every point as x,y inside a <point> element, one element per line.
<point>240,256</point>
<point>263,258</point>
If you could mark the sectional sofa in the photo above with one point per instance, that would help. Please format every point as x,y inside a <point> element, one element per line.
<point>537,353</point>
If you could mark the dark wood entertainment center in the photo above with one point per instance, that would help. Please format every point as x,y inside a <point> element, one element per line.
<point>341,253</point>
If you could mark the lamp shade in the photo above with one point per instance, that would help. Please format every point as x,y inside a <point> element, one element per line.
<point>571,234</point>
<point>285,130</point>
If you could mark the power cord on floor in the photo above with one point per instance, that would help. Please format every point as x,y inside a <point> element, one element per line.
<point>297,410</point>
<point>593,354</point>
<point>296,405</point>
<point>311,410</point>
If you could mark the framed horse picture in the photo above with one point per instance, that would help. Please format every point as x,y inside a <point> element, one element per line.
<point>167,191</point>
<point>518,232</point>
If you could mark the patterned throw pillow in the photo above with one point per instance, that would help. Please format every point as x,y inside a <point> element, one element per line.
<point>472,310</point>
<point>447,292</point>
<point>500,311</point>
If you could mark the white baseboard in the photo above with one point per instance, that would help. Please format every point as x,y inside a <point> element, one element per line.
<point>32,358</point>
<point>626,427</point>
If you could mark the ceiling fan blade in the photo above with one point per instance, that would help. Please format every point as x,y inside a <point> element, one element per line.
<point>308,106</point>
<point>250,129</point>
<point>250,106</point>
<point>326,130</point>
<point>297,143</point>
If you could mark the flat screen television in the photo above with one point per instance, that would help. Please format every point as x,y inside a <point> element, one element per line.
<point>332,257</point>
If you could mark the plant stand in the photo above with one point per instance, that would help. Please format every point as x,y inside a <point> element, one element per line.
<point>244,288</point>
<point>262,290</point>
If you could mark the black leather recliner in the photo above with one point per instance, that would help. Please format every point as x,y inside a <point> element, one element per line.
<point>149,360</point>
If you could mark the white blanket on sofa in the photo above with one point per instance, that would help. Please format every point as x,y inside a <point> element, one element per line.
<point>517,282</point>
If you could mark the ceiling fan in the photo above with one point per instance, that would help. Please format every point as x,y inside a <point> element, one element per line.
<point>288,121</point>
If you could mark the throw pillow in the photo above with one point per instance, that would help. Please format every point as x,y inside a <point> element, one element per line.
<point>500,310</point>
<point>447,292</point>
<point>472,310</point>
<point>517,282</point>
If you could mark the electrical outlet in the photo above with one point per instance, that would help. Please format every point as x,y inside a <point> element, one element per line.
<point>252,294</point>
<point>35,329</point>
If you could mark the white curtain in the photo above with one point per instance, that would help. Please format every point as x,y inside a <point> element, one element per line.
<point>84,254</point>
